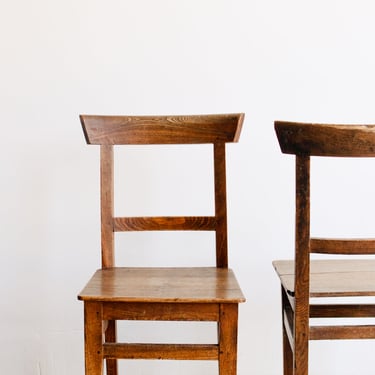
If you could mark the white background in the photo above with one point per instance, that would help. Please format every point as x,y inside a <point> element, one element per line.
<point>296,60</point>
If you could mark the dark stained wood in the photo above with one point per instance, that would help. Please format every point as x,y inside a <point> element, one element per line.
<point>287,329</point>
<point>302,264</point>
<point>162,351</point>
<point>302,278</point>
<point>288,322</point>
<point>119,130</point>
<point>326,139</point>
<point>122,224</point>
<point>170,294</point>
<point>342,311</point>
<point>342,246</point>
<point>351,332</point>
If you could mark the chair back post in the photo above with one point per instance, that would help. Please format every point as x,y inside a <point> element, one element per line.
<point>302,252</point>
<point>220,206</point>
<point>107,205</point>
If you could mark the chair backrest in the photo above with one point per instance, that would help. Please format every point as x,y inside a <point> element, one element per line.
<point>108,131</point>
<point>305,140</point>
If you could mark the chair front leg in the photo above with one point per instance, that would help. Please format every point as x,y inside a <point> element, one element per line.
<point>228,326</point>
<point>288,358</point>
<point>93,338</point>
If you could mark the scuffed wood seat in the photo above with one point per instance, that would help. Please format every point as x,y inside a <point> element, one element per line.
<point>194,285</point>
<point>332,278</point>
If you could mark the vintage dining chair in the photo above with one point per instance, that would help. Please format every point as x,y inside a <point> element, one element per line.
<point>165,294</point>
<point>305,281</point>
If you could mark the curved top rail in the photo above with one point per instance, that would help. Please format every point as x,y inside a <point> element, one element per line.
<point>326,139</point>
<point>121,130</point>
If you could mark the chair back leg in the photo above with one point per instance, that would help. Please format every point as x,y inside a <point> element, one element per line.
<point>110,336</point>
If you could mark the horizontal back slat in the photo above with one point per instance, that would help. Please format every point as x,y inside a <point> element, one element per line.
<point>342,311</point>
<point>162,129</point>
<point>342,246</point>
<point>348,332</point>
<point>326,139</point>
<point>122,224</point>
<point>161,351</point>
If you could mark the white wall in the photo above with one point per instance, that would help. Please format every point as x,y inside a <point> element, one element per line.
<point>297,60</point>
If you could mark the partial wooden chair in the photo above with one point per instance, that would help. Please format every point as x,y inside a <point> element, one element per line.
<point>167,294</point>
<point>302,278</point>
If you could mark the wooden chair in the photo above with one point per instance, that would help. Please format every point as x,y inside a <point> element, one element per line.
<point>302,278</point>
<point>168,294</point>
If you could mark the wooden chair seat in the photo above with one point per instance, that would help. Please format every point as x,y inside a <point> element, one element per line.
<point>332,278</point>
<point>174,285</point>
